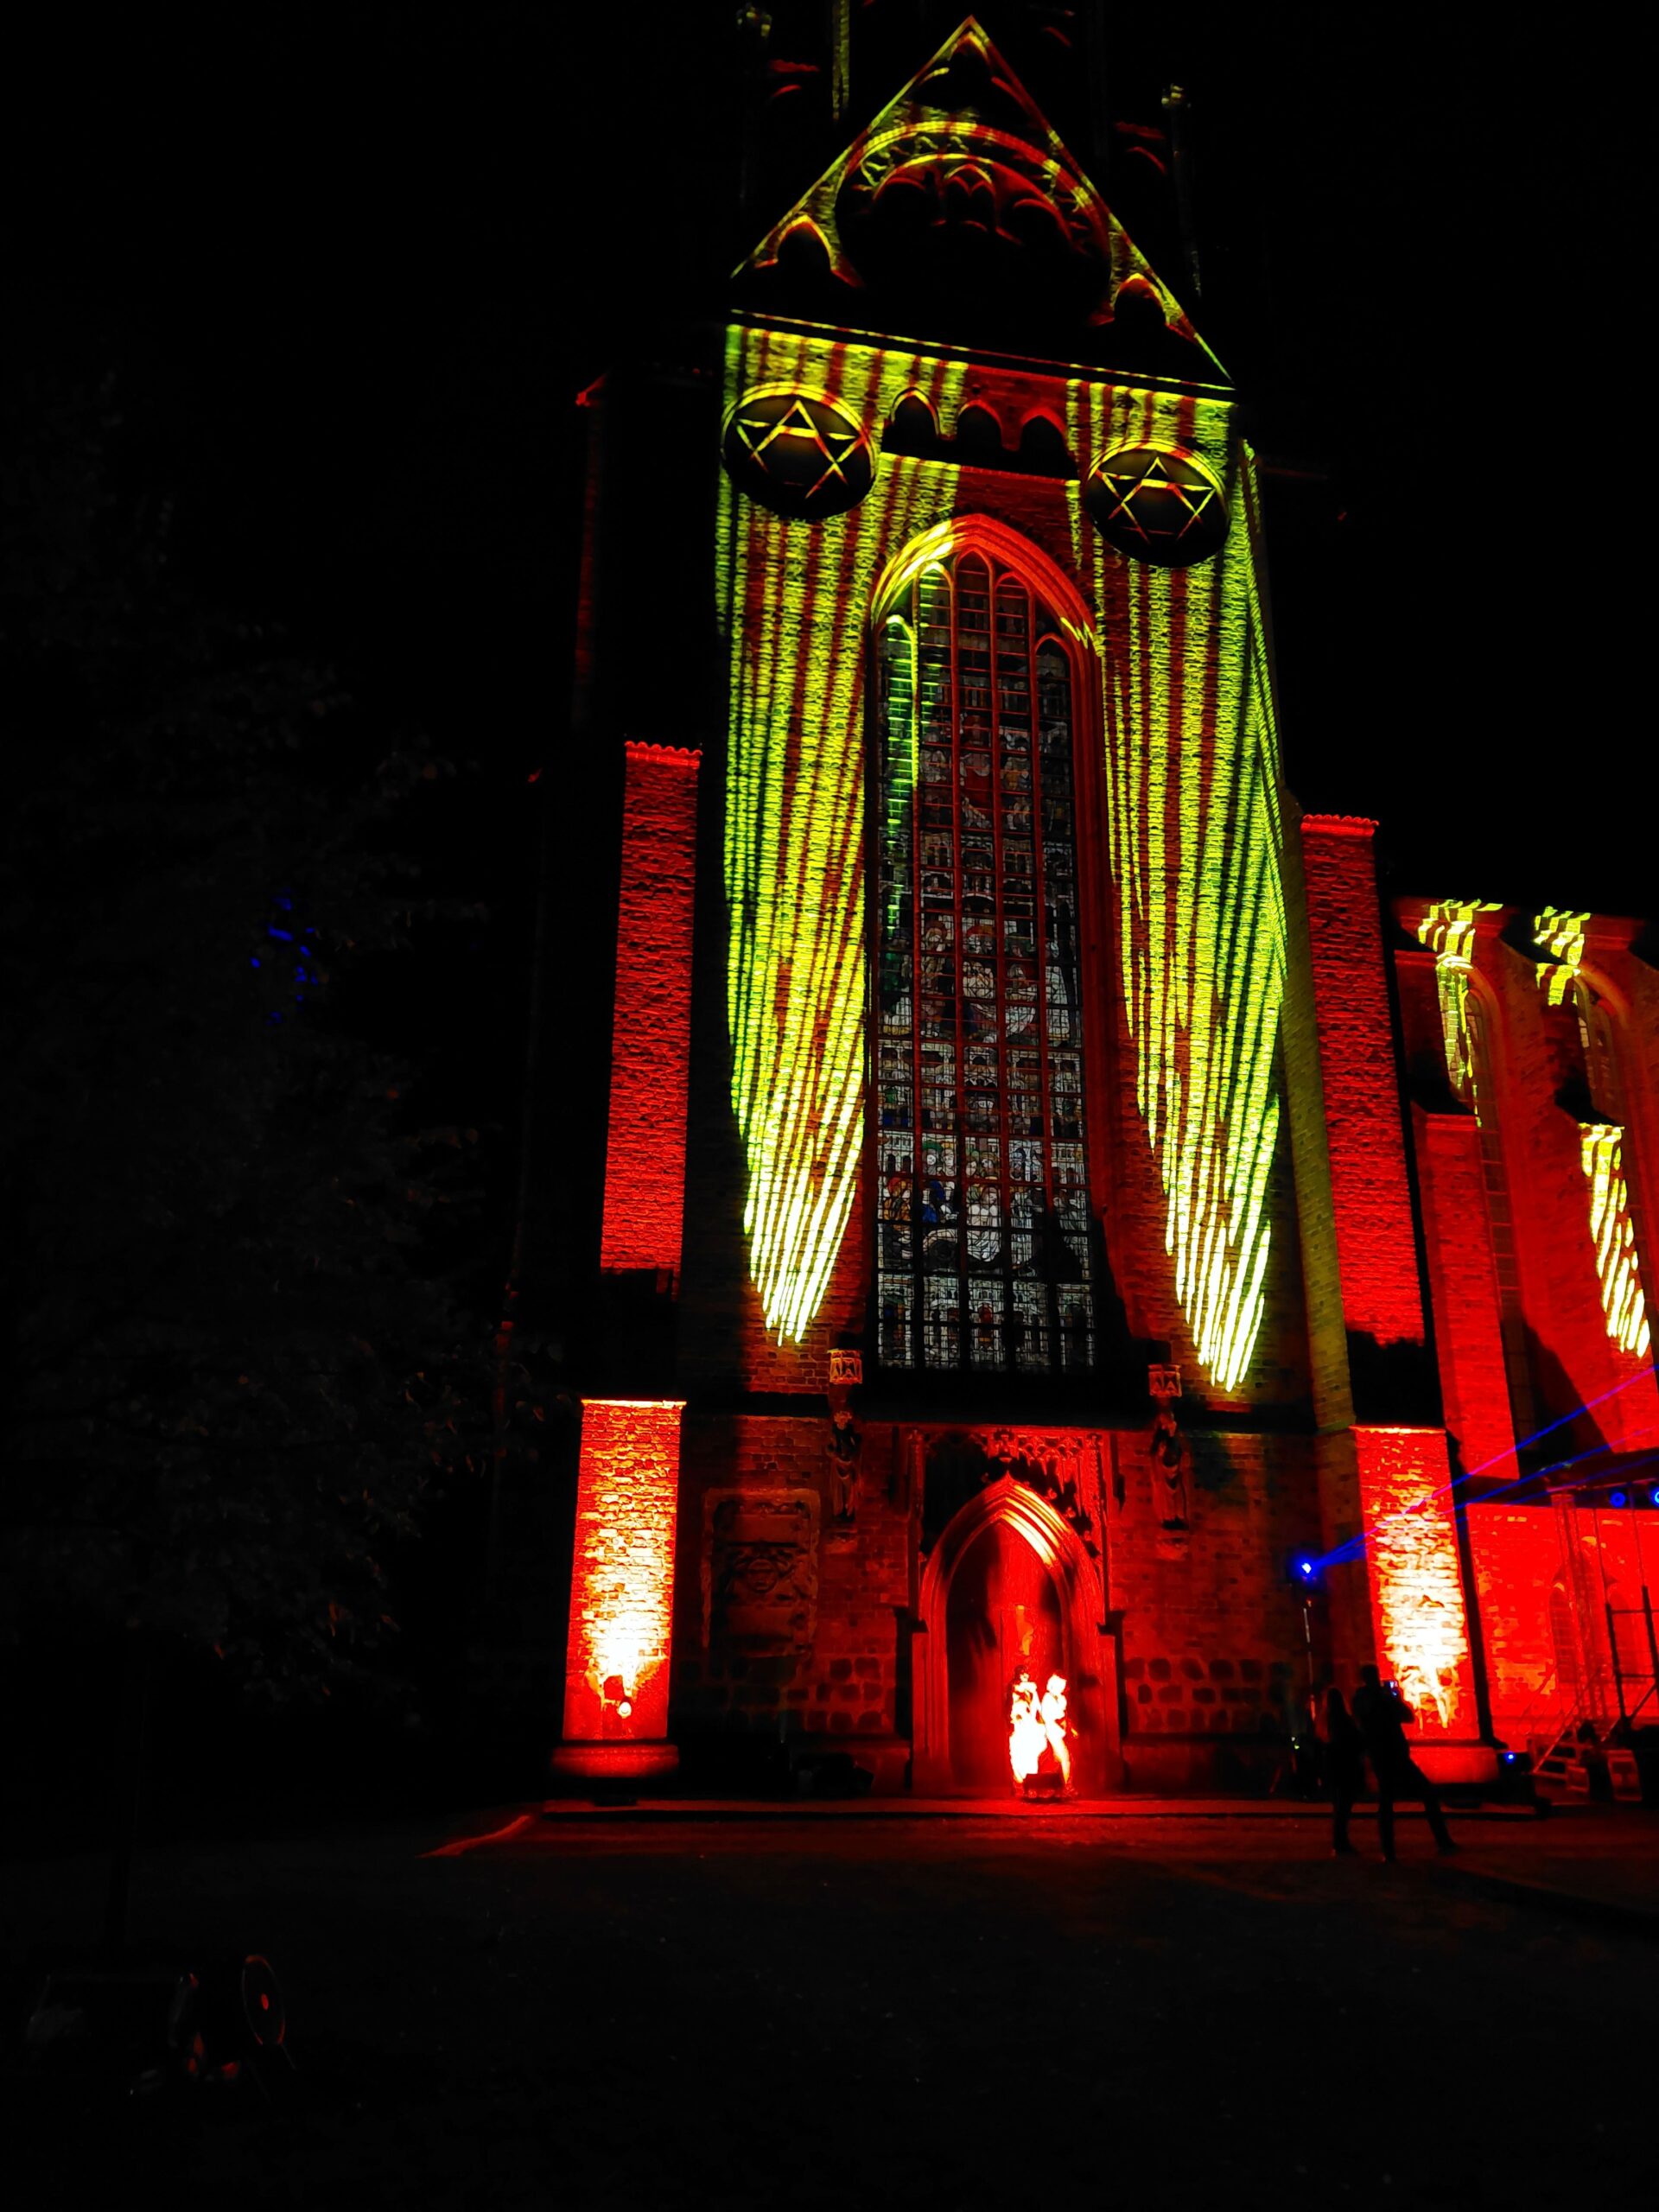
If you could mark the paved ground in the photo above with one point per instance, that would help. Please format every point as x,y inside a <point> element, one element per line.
<point>626,2012</point>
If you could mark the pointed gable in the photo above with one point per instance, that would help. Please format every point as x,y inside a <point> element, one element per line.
<point>958,214</point>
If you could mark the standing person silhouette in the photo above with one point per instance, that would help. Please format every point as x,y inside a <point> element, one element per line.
<point>1026,1732</point>
<point>1050,1708</point>
<point>1342,1762</point>
<point>1383,1716</point>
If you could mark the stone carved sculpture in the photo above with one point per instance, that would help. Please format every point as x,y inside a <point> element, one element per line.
<point>761,1568</point>
<point>1048,1462</point>
<point>846,1441</point>
<point>1168,1457</point>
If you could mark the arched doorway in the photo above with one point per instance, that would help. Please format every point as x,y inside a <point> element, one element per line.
<point>1002,1612</point>
<point>1008,1571</point>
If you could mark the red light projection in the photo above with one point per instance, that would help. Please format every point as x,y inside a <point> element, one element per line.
<point>622,1589</point>
<point>645,1163</point>
<point>1371,1196</point>
<point>1463,1278</point>
<point>1411,1547</point>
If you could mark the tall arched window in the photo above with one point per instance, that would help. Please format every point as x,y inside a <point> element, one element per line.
<point>983,1218</point>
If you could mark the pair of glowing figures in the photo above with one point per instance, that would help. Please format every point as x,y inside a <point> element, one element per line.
<point>1037,1723</point>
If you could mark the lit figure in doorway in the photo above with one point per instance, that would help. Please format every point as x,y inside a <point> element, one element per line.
<point>1052,1709</point>
<point>1027,1734</point>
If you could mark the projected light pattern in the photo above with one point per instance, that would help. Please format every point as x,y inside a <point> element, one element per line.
<point>1614,1234</point>
<point>1196,842</point>
<point>794,599</point>
<point>1008,172</point>
<point>1448,930</point>
<point>1193,825</point>
<point>1422,1630</point>
<point>1561,934</point>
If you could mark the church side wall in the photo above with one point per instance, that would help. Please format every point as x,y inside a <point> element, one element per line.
<point>1537,1200</point>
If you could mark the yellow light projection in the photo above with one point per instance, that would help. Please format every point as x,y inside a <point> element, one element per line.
<point>1448,930</point>
<point>1601,1154</point>
<point>1196,842</point>
<point>1013,164</point>
<point>794,598</point>
<point>1194,830</point>
<point>1561,934</point>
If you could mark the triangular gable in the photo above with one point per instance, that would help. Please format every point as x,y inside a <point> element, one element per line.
<point>964,141</point>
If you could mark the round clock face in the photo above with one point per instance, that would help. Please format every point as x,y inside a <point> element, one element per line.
<point>798,453</point>
<point>1156,505</point>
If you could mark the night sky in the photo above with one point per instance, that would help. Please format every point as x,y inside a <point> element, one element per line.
<point>348,266</point>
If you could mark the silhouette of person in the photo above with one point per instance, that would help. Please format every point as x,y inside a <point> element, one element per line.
<point>1342,1762</point>
<point>1025,1731</point>
<point>1383,1716</point>
<point>1052,1707</point>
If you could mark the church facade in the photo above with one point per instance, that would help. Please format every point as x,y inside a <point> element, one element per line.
<point>1052,1216</point>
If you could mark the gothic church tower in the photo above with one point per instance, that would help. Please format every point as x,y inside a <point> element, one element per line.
<point>970,1293</point>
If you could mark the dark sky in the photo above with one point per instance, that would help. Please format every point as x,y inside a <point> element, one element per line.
<point>349,265</point>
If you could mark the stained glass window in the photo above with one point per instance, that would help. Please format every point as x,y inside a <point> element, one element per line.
<point>982,1196</point>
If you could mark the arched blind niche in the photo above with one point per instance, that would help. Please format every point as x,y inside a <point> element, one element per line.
<point>982,1204</point>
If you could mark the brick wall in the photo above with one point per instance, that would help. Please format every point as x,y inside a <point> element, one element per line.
<point>818,1653</point>
<point>1370,1193</point>
<point>1463,1277</point>
<point>1515,1552</point>
<point>622,1575</point>
<point>1213,1642</point>
<point>1411,1547</point>
<point>645,1163</point>
<point>1323,1325</point>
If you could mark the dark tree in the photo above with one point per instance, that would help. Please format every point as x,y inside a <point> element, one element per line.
<point>235,1371</point>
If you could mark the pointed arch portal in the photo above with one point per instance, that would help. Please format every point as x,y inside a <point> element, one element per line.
<point>1009,1581</point>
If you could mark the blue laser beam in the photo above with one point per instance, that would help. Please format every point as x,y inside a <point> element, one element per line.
<point>1355,1547</point>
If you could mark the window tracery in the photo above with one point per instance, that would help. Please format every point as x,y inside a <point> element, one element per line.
<point>984,1255</point>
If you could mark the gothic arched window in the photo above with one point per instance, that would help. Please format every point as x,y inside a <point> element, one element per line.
<point>983,1202</point>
